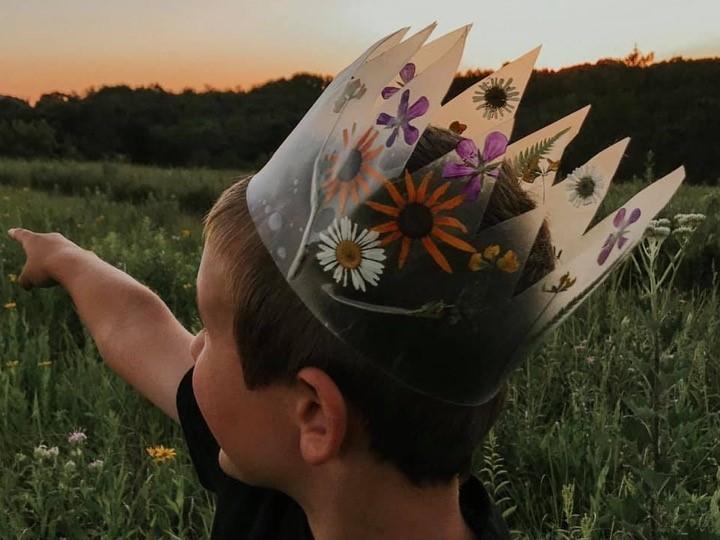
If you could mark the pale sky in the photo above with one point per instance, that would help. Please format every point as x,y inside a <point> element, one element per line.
<point>70,45</point>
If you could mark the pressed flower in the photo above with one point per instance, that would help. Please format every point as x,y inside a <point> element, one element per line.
<point>621,223</point>
<point>495,97</point>
<point>474,165</point>
<point>350,172</point>
<point>345,252</point>
<point>583,186</point>
<point>354,89</point>
<point>402,121</point>
<point>509,262</point>
<point>564,283</point>
<point>10,305</point>
<point>406,75</point>
<point>417,216</point>
<point>457,127</point>
<point>488,257</point>
<point>160,453</point>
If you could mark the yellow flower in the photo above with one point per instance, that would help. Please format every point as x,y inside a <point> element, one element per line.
<point>491,252</point>
<point>46,363</point>
<point>160,453</point>
<point>185,233</point>
<point>477,262</point>
<point>187,285</point>
<point>10,305</point>
<point>12,277</point>
<point>11,363</point>
<point>508,262</point>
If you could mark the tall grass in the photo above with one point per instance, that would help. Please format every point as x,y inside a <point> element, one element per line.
<point>573,455</point>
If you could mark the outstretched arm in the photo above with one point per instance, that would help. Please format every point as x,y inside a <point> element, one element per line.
<point>134,330</point>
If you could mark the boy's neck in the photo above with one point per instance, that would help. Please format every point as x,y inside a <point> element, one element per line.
<point>367,501</point>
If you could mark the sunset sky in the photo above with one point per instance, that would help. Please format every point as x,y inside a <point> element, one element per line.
<point>70,45</point>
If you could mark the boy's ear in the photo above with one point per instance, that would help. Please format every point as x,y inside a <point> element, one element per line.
<point>321,415</point>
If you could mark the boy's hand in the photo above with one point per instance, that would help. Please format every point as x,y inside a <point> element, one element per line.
<point>40,251</point>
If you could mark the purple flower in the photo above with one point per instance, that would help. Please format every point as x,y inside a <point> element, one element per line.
<point>474,165</point>
<point>621,224</point>
<point>406,75</point>
<point>402,120</point>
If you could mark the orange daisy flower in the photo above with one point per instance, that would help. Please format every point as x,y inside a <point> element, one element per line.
<point>355,168</point>
<point>419,217</point>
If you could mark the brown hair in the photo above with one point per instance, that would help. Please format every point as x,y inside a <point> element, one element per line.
<point>276,335</point>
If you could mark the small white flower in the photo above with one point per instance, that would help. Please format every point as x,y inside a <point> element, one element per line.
<point>343,251</point>
<point>43,452</point>
<point>77,437</point>
<point>96,464</point>
<point>584,186</point>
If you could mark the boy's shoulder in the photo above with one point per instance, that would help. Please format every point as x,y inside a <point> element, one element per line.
<point>245,511</point>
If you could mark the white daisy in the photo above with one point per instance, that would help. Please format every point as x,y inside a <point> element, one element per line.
<point>583,186</point>
<point>344,252</point>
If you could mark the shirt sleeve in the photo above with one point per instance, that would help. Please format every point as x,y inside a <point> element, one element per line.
<point>200,441</point>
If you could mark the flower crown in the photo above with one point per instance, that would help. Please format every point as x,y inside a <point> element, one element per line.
<point>397,264</point>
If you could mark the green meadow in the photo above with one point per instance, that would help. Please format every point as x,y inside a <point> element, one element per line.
<point>611,428</point>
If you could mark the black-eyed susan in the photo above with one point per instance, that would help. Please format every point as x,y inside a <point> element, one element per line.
<point>352,169</point>
<point>417,216</point>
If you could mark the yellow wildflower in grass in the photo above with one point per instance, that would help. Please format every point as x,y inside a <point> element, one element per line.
<point>12,278</point>
<point>46,363</point>
<point>185,233</point>
<point>10,305</point>
<point>160,453</point>
<point>12,364</point>
<point>187,285</point>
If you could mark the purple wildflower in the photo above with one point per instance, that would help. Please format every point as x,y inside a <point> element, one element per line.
<point>402,121</point>
<point>621,224</point>
<point>406,75</point>
<point>474,165</point>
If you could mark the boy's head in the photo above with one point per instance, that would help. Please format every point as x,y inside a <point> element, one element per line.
<point>281,391</point>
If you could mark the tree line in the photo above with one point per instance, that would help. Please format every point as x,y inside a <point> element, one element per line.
<point>671,108</point>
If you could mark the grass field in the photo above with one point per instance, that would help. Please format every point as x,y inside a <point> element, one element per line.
<point>611,429</point>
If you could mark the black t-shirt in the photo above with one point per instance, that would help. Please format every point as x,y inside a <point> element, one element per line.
<point>252,513</point>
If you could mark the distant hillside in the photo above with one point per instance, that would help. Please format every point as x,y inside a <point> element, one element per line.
<point>671,108</point>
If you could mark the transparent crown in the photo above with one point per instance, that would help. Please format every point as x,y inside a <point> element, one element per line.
<point>398,264</point>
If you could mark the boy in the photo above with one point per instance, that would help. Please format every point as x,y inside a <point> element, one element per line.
<point>280,421</point>
<point>343,379</point>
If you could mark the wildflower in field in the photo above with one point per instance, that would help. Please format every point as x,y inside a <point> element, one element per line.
<point>187,286</point>
<point>46,363</point>
<point>185,233</point>
<point>10,305</point>
<point>160,453</point>
<point>12,278</point>
<point>77,437</point>
<point>11,364</point>
<point>96,464</point>
<point>70,465</point>
<point>43,452</point>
